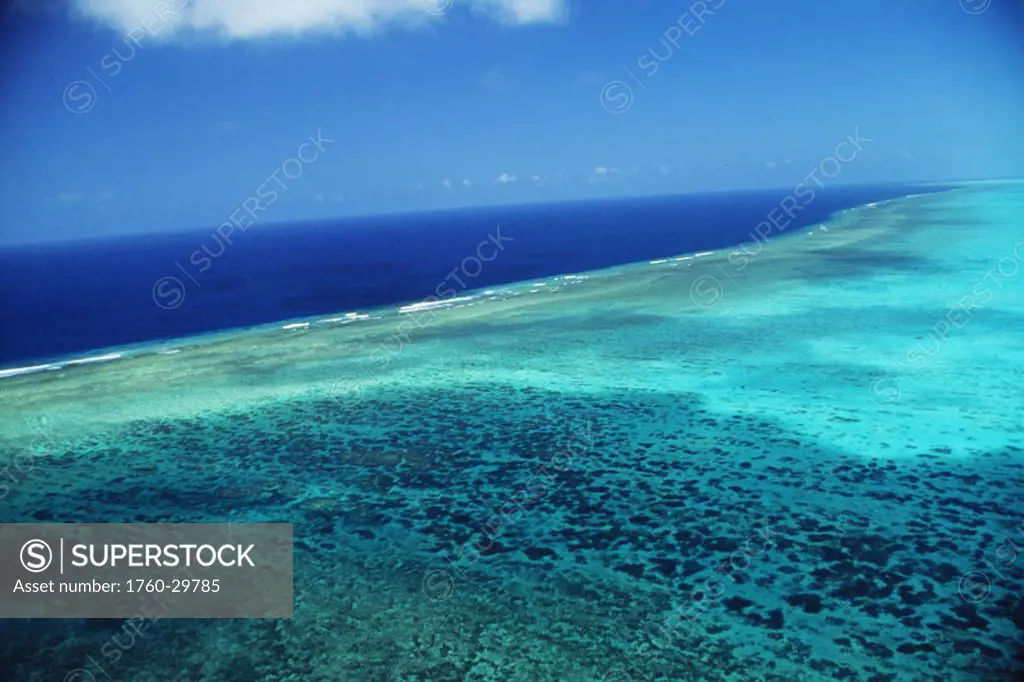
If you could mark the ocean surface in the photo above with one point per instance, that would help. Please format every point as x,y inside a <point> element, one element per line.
<point>794,461</point>
<point>74,298</point>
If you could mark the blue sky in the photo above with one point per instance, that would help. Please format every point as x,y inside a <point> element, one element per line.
<point>154,115</point>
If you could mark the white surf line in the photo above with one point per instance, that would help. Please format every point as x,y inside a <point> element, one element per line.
<point>15,371</point>
<point>97,358</point>
<point>347,318</point>
<point>54,366</point>
<point>433,304</point>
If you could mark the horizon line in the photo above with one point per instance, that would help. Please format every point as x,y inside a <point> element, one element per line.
<point>14,245</point>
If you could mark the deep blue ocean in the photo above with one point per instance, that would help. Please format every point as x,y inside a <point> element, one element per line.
<point>71,297</point>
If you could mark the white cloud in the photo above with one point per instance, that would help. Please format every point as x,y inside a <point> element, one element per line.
<point>505,178</point>
<point>467,183</point>
<point>605,174</point>
<point>244,19</point>
<point>769,165</point>
<point>446,183</point>
<point>664,169</point>
<point>523,11</point>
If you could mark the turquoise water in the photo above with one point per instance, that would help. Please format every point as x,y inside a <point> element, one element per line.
<point>799,461</point>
